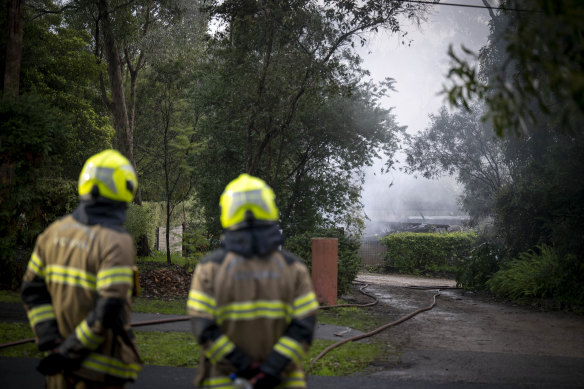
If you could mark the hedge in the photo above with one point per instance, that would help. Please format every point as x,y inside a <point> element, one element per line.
<point>426,253</point>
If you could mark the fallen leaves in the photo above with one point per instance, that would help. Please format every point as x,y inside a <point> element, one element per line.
<point>161,280</point>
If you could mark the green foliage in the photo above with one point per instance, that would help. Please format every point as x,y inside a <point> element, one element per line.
<point>196,243</point>
<point>157,256</point>
<point>293,111</point>
<point>426,253</point>
<point>139,222</point>
<point>533,62</point>
<point>33,137</point>
<point>348,248</point>
<point>541,274</point>
<point>479,266</point>
<point>532,275</point>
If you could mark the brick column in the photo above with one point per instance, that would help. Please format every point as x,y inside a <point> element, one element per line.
<point>325,269</point>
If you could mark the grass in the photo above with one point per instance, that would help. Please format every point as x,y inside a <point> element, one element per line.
<point>180,349</point>
<point>354,317</point>
<point>167,307</point>
<point>177,349</point>
<point>11,332</point>
<point>7,296</point>
<point>159,257</point>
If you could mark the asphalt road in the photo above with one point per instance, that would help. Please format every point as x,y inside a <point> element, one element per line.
<point>20,373</point>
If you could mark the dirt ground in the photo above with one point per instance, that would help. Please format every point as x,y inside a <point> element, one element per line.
<point>471,338</point>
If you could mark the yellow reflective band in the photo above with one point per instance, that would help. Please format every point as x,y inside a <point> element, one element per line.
<point>217,382</point>
<point>36,266</point>
<point>88,337</point>
<point>70,276</point>
<point>221,347</point>
<point>305,304</point>
<point>255,310</point>
<point>199,301</point>
<point>111,366</point>
<point>41,313</point>
<point>295,379</point>
<point>115,275</point>
<point>290,348</point>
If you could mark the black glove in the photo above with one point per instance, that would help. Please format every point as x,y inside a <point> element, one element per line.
<point>56,362</point>
<point>250,371</point>
<point>52,364</point>
<point>265,381</point>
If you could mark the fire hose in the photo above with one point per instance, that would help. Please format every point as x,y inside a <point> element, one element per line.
<point>325,351</point>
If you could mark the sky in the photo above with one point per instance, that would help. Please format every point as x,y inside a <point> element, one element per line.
<point>420,73</point>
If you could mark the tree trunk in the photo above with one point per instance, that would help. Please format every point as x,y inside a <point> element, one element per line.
<point>14,11</point>
<point>125,136</point>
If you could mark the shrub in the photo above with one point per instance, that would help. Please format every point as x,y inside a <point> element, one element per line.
<point>475,270</point>
<point>348,259</point>
<point>426,253</point>
<point>541,274</point>
<point>139,222</point>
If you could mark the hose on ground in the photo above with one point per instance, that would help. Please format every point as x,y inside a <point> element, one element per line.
<point>376,300</point>
<point>185,318</point>
<point>375,331</point>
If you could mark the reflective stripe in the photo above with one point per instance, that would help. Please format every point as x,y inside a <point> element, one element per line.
<point>114,276</point>
<point>199,301</point>
<point>295,379</point>
<point>70,276</point>
<point>111,366</point>
<point>41,313</point>
<point>217,382</point>
<point>255,310</point>
<point>290,348</point>
<point>221,347</point>
<point>305,304</point>
<point>35,265</point>
<point>88,337</point>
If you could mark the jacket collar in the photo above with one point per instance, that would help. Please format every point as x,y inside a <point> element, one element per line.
<point>101,212</point>
<point>253,241</point>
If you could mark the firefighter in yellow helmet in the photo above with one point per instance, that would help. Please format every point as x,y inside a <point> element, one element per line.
<point>78,284</point>
<point>252,305</point>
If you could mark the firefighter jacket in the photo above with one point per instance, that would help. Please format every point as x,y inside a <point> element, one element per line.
<point>77,291</point>
<point>250,302</point>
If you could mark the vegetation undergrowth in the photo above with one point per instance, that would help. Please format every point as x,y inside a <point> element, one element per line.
<point>159,257</point>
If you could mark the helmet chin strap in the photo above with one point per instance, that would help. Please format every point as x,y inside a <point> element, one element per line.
<point>94,192</point>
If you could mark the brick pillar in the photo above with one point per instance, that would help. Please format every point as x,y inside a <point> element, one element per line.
<point>325,269</point>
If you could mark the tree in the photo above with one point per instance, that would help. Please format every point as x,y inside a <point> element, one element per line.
<point>47,131</point>
<point>122,32</point>
<point>14,20</point>
<point>167,131</point>
<point>530,77</point>
<point>283,100</point>
<point>533,63</point>
<point>461,144</point>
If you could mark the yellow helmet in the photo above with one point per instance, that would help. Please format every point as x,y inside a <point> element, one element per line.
<point>112,174</point>
<point>244,197</point>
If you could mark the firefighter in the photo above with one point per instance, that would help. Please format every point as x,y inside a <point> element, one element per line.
<point>252,305</point>
<point>78,283</point>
